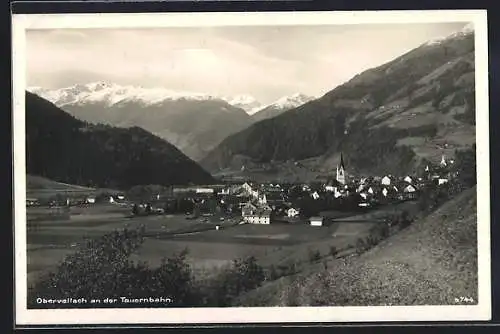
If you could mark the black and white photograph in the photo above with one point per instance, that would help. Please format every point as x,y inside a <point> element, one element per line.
<point>203,168</point>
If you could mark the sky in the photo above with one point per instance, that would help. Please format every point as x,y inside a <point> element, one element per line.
<point>262,61</point>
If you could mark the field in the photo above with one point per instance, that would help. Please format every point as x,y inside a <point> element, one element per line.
<point>52,236</point>
<point>431,262</point>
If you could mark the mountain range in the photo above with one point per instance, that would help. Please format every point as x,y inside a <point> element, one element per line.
<point>281,105</point>
<point>65,149</point>
<point>388,119</point>
<point>193,122</point>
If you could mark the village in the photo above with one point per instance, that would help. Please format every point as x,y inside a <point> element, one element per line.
<point>269,203</point>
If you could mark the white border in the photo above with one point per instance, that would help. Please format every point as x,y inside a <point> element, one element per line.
<point>482,311</point>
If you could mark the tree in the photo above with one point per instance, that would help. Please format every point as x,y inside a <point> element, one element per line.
<point>102,270</point>
<point>243,275</point>
<point>98,270</point>
<point>135,209</point>
<point>465,166</point>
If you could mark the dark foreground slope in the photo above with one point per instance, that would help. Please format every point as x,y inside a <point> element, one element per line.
<point>64,149</point>
<point>432,262</point>
<point>385,120</point>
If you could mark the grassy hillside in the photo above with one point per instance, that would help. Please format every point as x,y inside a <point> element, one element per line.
<point>431,262</point>
<point>386,119</point>
<point>64,149</point>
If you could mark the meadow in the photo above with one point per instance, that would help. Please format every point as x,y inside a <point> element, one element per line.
<point>53,236</point>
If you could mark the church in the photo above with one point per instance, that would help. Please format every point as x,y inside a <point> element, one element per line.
<point>341,171</point>
<point>339,184</point>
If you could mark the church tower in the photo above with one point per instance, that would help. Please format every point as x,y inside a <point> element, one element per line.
<point>341,171</point>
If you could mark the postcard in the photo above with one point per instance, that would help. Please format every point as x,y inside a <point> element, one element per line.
<point>251,167</point>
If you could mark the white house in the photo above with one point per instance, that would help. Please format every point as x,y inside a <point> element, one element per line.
<point>315,195</point>
<point>90,200</point>
<point>121,197</point>
<point>247,187</point>
<point>409,189</point>
<point>204,191</point>
<point>330,188</point>
<point>360,187</point>
<point>316,221</point>
<point>408,179</point>
<point>263,199</point>
<point>111,199</point>
<point>292,212</point>
<point>443,161</point>
<point>224,191</point>
<point>259,217</point>
<point>385,192</point>
<point>442,181</point>
<point>386,181</point>
<point>370,190</point>
<point>253,215</point>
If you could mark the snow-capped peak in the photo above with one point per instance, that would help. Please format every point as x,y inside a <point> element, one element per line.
<point>466,30</point>
<point>110,93</point>
<point>245,102</point>
<point>291,101</point>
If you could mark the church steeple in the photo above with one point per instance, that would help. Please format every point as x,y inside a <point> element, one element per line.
<point>341,170</point>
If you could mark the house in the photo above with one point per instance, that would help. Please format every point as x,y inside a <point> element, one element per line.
<point>408,179</point>
<point>443,161</point>
<point>332,184</point>
<point>248,209</point>
<point>386,181</point>
<point>90,200</point>
<point>224,191</point>
<point>442,181</point>
<point>409,189</point>
<point>204,190</point>
<point>409,192</point>
<point>257,215</point>
<point>292,212</point>
<point>316,221</point>
<point>262,199</point>
<point>32,202</point>
<point>315,195</point>
<point>121,197</point>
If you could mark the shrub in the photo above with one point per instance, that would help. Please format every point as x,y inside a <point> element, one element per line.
<point>99,270</point>
<point>361,246</point>
<point>333,251</point>
<point>102,269</point>
<point>242,276</point>
<point>314,256</point>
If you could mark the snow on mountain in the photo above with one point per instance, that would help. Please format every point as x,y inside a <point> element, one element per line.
<point>291,101</point>
<point>245,102</point>
<point>111,94</point>
<point>466,30</point>
<point>281,105</point>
